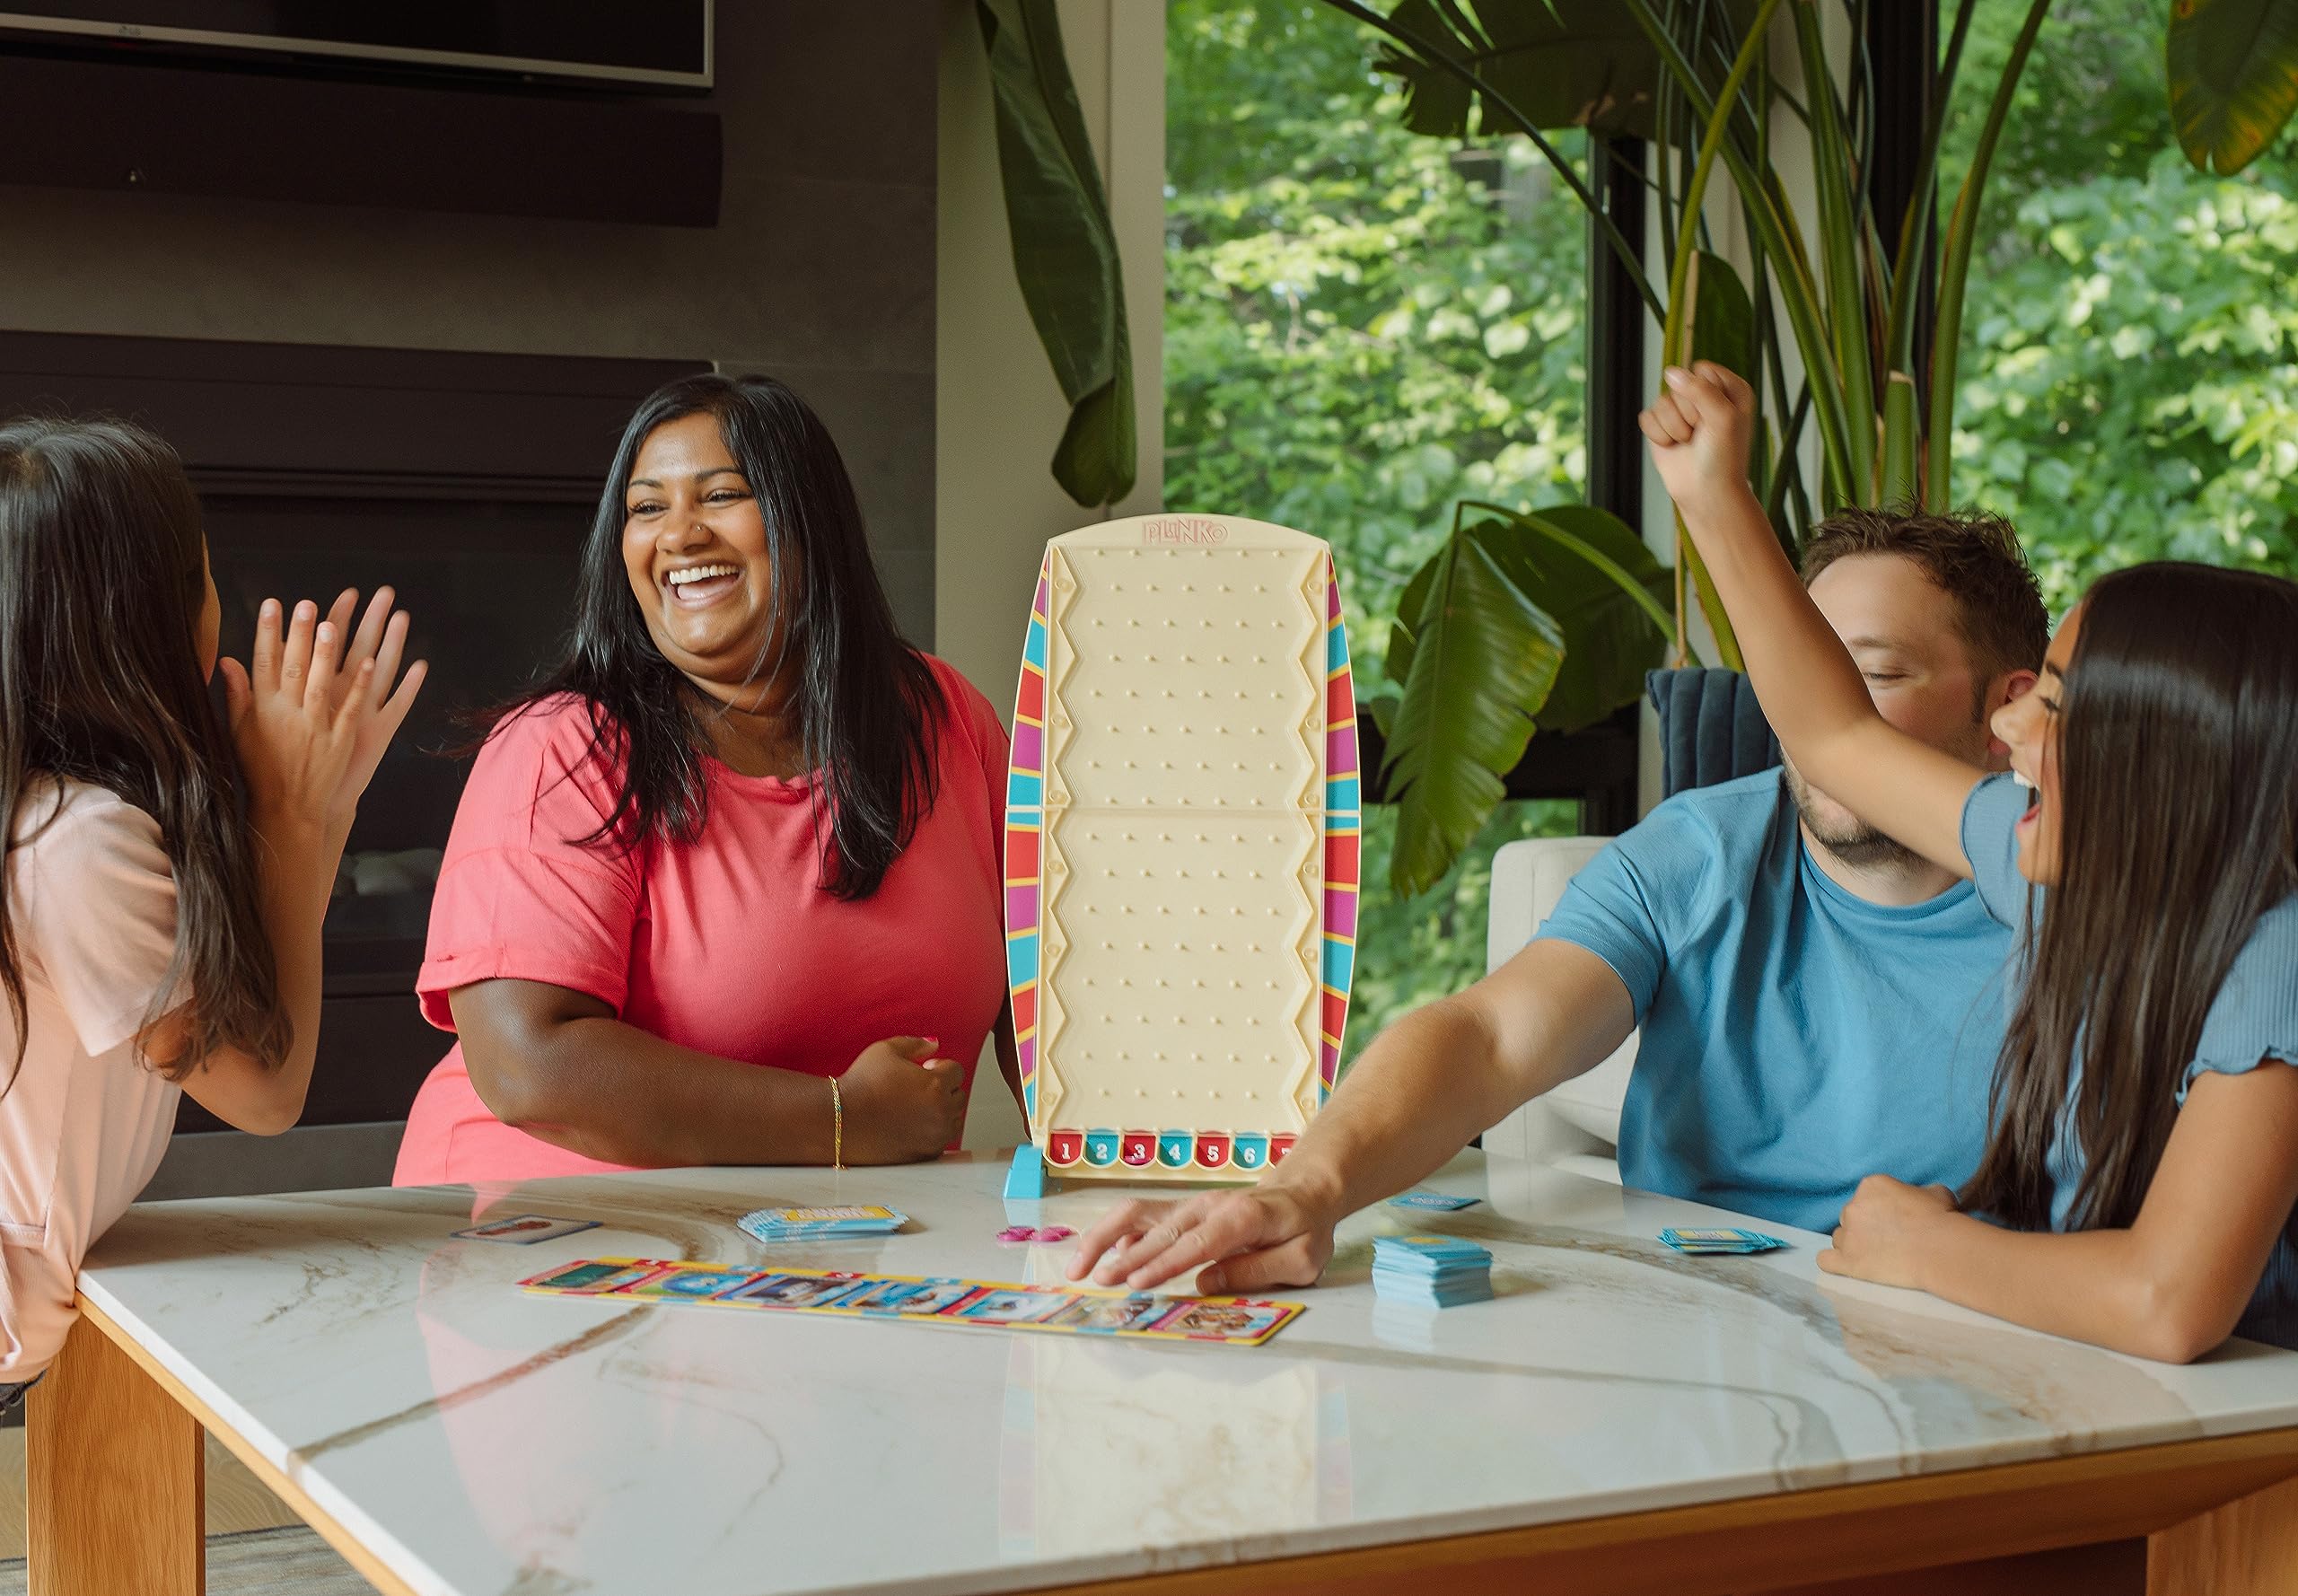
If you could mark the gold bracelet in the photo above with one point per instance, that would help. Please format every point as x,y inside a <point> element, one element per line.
<point>836,1126</point>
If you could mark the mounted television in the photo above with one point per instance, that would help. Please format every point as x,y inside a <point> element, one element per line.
<point>643,45</point>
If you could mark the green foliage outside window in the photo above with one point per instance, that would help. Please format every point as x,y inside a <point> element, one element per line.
<point>1364,325</point>
<point>2131,380</point>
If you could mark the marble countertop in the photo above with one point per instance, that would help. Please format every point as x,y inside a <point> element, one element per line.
<point>483,1440</point>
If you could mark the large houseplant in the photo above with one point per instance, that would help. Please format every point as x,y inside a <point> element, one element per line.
<point>1694,78</point>
<point>1825,324</point>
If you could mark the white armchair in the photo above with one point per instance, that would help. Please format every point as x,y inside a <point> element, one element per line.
<point>1576,1127</point>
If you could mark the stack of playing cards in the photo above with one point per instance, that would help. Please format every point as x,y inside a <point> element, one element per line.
<point>822,1225</point>
<point>1720,1241</point>
<point>1435,1271</point>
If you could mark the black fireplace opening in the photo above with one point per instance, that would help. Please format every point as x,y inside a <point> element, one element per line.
<point>488,585</point>
<point>466,482</point>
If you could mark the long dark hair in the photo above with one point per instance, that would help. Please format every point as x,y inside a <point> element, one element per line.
<point>864,701</point>
<point>2178,827</point>
<point>102,572</point>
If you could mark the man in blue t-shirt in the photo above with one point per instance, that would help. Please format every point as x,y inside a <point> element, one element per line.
<point>1816,1003</point>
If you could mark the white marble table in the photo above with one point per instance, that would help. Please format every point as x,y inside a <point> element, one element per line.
<point>1621,1419</point>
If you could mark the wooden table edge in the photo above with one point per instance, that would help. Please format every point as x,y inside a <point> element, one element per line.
<point>1790,1537</point>
<point>1870,1528</point>
<point>347,1545</point>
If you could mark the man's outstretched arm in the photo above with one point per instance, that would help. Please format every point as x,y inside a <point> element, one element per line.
<point>1435,1078</point>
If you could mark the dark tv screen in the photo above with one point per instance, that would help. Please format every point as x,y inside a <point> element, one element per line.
<point>636,43</point>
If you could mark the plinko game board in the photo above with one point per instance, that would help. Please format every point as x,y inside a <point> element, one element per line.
<point>1181,836</point>
<point>983,1304</point>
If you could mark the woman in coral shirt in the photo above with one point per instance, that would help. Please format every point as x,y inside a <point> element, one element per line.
<point>726,888</point>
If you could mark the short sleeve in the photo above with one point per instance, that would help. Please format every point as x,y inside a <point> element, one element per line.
<point>522,896</point>
<point>2254,1017</point>
<point>97,914</point>
<point>1606,910</point>
<point>983,737</point>
<point>1990,835</point>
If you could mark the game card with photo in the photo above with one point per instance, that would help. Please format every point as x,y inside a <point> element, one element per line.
<point>694,1284</point>
<point>1108,1315</point>
<point>1016,1306</point>
<point>524,1229</point>
<point>909,1298</point>
<point>797,1291</point>
<point>1230,1320</point>
<point>593,1275</point>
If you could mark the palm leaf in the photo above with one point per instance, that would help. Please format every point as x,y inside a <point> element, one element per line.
<point>1486,659</point>
<point>2234,71</point>
<point>1435,53</point>
<point>1719,318</point>
<point>1772,218</point>
<point>1955,264</point>
<point>1838,224</point>
<point>1065,246</point>
<point>1921,220</point>
<point>1591,575</point>
<point>1899,488</point>
<point>1570,64</point>
<point>1606,595</point>
<point>1718,323</point>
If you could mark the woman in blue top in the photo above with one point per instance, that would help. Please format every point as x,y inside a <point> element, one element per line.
<point>2145,1114</point>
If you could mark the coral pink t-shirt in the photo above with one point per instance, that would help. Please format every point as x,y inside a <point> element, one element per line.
<point>726,945</point>
<point>92,899</point>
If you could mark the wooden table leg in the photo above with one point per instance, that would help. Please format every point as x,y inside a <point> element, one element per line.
<point>115,1479</point>
<point>2248,1548</point>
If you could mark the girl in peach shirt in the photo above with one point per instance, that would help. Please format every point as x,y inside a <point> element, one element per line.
<point>167,867</point>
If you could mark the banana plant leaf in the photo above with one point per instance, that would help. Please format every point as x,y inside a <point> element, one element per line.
<point>1564,65</point>
<point>2233,72</point>
<point>1543,621</point>
<point>1487,652</point>
<point>1609,639</point>
<point>1065,246</point>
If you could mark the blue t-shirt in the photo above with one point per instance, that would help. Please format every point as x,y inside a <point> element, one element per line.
<point>1796,1038</point>
<point>2253,1019</point>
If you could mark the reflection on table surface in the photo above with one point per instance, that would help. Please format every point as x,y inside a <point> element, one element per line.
<point>476,1436</point>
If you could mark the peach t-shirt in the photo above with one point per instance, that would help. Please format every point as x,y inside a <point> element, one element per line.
<point>93,901</point>
<point>726,945</point>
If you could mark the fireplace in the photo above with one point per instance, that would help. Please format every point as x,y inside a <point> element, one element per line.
<point>466,481</point>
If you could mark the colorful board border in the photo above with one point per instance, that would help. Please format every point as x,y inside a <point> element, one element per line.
<point>1344,833</point>
<point>1024,826</point>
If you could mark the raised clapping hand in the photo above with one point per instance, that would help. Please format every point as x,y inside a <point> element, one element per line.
<point>1699,428</point>
<point>310,720</point>
<point>381,637</point>
<point>1884,1233</point>
<point>901,1104</point>
<point>1243,1241</point>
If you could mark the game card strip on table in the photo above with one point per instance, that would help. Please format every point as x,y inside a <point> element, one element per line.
<point>1240,1321</point>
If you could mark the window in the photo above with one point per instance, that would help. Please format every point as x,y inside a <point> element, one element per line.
<point>1363,326</point>
<point>2130,380</point>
